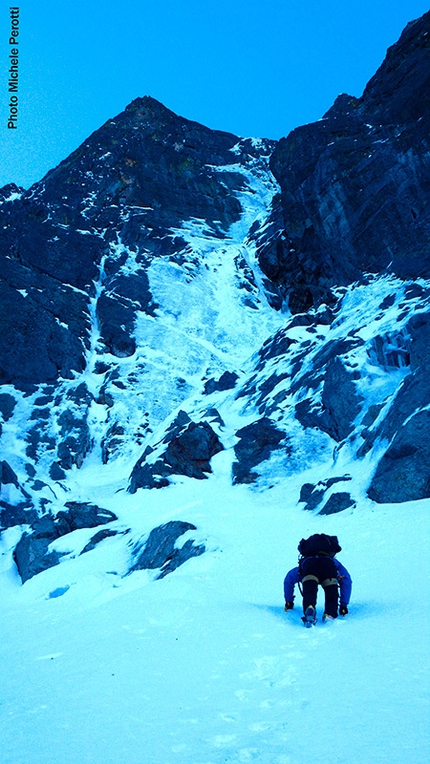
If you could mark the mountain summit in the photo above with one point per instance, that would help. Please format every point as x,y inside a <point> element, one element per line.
<point>178,300</point>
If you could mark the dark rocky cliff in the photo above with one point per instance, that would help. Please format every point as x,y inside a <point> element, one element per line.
<point>355,185</point>
<point>128,186</point>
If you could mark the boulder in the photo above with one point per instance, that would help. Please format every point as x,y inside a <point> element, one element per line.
<point>188,452</point>
<point>32,555</point>
<point>82,514</point>
<point>337,502</point>
<point>313,495</point>
<point>255,445</point>
<point>226,382</point>
<point>160,551</point>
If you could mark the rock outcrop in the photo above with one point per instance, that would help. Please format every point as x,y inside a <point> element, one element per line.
<point>354,186</point>
<point>186,450</point>
<point>32,554</point>
<point>159,550</point>
<point>255,445</point>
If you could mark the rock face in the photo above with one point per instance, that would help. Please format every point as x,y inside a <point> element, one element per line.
<point>354,185</point>
<point>160,552</point>
<point>313,496</point>
<point>169,292</point>
<point>32,555</point>
<point>188,449</point>
<point>128,186</point>
<point>19,512</point>
<point>403,473</point>
<point>340,404</point>
<point>256,442</point>
<point>225,382</point>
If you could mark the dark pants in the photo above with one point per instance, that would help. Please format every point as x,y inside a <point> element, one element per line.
<point>320,570</point>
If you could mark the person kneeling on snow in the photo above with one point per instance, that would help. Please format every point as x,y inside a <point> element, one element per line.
<point>319,566</point>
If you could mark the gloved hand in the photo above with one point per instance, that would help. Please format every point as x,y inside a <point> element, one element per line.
<point>343,610</point>
<point>289,606</point>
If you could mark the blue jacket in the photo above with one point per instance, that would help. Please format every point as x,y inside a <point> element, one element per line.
<point>345,583</point>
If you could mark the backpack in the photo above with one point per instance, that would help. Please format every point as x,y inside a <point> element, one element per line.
<point>319,543</point>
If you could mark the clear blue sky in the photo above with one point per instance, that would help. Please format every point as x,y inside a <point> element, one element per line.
<point>250,68</point>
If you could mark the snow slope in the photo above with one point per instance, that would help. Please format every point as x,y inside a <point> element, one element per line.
<point>203,666</point>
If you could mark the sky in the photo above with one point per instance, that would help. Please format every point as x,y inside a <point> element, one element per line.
<point>250,68</point>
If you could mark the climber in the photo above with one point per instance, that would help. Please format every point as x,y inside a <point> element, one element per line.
<point>318,565</point>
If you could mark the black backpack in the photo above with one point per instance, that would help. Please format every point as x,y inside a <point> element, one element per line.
<point>319,543</point>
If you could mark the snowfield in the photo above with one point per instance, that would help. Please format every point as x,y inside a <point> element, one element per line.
<point>203,666</point>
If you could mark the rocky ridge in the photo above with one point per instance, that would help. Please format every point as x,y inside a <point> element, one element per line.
<point>355,185</point>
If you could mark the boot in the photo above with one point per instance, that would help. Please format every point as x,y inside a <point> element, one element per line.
<point>310,616</point>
